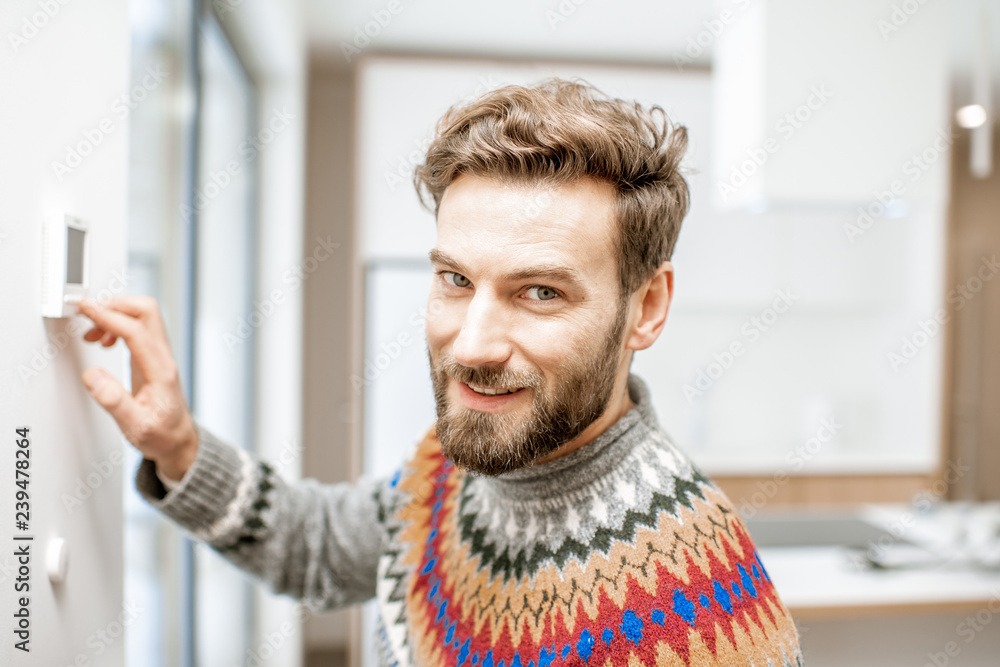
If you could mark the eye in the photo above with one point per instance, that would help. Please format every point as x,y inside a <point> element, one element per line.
<point>542,293</point>
<point>456,279</point>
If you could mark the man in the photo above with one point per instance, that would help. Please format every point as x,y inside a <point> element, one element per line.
<point>546,518</point>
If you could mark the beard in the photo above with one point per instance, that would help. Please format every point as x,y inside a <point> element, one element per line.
<point>492,444</point>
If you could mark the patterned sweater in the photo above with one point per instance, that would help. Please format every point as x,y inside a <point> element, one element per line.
<point>619,553</point>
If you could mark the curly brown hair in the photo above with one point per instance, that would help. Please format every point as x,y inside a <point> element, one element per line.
<point>560,131</point>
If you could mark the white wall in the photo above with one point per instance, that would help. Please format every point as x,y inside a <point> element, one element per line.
<point>818,85</point>
<point>63,74</point>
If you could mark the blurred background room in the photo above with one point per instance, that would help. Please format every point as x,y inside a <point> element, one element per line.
<point>830,359</point>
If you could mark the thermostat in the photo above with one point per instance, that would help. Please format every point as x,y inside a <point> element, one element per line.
<point>65,265</point>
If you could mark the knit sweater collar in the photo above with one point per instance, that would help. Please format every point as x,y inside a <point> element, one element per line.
<point>591,461</point>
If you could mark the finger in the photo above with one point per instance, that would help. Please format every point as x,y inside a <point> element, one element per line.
<point>149,352</point>
<point>144,308</point>
<point>111,395</point>
<point>137,380</point>
<point>107,318</point>
<point>136,305</point>
<point>96,333</point>
<point>114,323</point>
<point>108,339</point>
<point>139,306</point>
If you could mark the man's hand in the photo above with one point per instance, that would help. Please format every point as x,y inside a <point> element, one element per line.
<point>154,417</point>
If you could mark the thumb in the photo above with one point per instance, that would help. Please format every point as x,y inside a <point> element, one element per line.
<point>113,397</point>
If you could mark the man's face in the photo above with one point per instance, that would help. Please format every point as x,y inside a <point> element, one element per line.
<point>524,326</point>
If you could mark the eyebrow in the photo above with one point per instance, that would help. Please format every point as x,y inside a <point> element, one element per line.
<point>551,271</point>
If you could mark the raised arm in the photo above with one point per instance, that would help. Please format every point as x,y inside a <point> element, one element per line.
<point>308,540</point>
<point>316,542</point>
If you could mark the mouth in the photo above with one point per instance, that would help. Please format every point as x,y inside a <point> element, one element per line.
<point>493,391</point>
<point>488,399</point>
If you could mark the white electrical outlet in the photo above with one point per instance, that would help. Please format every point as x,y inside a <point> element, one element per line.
<point>65,265</point>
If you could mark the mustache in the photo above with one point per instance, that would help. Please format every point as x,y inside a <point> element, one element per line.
<point>488,376</point>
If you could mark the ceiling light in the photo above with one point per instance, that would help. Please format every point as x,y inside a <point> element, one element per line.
<point>971,116</point>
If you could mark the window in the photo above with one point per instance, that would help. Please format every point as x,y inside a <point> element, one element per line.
<point>192,245</point>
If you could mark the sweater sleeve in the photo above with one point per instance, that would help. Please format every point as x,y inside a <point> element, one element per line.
<point>316,542</point>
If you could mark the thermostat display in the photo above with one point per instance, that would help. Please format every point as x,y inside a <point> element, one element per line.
<point>65,265</point>
<point>74,255</point>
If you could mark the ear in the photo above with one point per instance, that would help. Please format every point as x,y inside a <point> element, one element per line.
<point>649,306</point>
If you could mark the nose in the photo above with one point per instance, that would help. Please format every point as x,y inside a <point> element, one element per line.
<point>483,339</point>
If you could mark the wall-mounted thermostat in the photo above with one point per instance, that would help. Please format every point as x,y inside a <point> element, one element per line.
<point>65,265</point>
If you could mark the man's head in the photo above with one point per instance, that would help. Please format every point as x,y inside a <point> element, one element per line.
<point>557,212</point>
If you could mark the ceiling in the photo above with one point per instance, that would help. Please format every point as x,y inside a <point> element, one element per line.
<point>644,31</point>
<point>635,31</point>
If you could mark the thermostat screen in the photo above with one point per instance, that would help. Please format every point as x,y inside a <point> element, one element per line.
<point>74,256</point>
